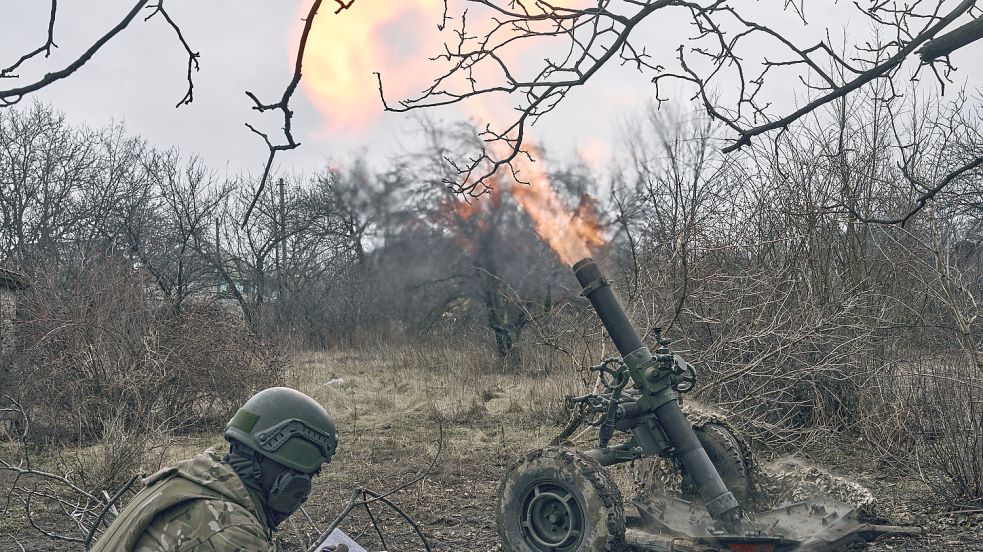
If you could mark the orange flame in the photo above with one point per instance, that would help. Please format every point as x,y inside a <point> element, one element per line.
<point>570,233</point>
<point>397,39</point>
<point>394,38</point>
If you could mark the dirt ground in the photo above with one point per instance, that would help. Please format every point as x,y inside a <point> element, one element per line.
<point>387,404</point>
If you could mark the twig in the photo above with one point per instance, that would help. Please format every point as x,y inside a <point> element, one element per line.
<point>283,105</point>
<point>87,543</point>
<point>46,47</point>
<point>13,95</point>
<point>354,502</point>
<point>192,55</point>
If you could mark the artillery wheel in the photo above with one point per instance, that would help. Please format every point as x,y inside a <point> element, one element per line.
<point>559,500</point>
<point>727,456</point>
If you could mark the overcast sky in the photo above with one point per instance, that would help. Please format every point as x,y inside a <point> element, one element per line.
<point>249,45</point>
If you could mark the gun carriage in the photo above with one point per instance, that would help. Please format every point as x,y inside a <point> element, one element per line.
<point>561,499</point>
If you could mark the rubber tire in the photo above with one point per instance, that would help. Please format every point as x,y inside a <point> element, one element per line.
<point>594,490</point>
<point>727,456</point>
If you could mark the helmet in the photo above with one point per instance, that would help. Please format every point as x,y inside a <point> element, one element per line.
<point>287,427</point>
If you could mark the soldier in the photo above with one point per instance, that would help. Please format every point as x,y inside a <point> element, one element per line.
<point>277,443</point>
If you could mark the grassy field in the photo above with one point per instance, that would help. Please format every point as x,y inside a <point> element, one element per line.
<point>391,403</point>
<point>387,402</point>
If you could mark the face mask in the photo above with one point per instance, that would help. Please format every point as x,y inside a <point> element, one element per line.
<point>281,489</point>
<point>289,491</point>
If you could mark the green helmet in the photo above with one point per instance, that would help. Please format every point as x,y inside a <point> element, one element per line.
<point>286,426</point>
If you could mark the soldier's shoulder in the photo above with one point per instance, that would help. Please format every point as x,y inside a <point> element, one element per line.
<point>205,524</point>
<point>208,471</point>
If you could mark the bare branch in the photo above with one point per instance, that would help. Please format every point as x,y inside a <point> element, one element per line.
<point>582,40</point>
<point>13,95</point>
<point>924,198</point>
<point>46,47</point>
<point>864,78</point>
<point>952,41</point>
<point>192,55</point>
<point>283,105</point>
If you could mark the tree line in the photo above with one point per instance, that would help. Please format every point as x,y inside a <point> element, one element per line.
<point>810,321</point>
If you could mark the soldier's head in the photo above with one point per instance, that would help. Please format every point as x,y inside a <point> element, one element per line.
<point>278,441</point>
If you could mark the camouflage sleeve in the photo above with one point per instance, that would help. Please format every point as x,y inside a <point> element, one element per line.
<point>204,526</point>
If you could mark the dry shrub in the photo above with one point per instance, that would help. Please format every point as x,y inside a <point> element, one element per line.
<point>215,364</point>
<point>99,349</point>
<point>924,418</point>
<point>946,404</point>
<point>786,361</point>
<point>109,462</point>
<point>886,424</point>
<point>785,353</point>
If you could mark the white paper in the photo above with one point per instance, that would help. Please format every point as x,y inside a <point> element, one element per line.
<point>339,537</point>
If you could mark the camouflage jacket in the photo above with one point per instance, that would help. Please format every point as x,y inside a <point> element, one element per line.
<point>195,505</point>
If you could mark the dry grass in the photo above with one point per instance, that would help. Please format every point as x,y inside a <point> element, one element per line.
<point>387,400</point>
<point>382,397</point>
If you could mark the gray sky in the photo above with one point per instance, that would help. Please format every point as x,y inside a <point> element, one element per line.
<point>249,45</point>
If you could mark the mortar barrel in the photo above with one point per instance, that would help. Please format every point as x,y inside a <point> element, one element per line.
<point>608,309</point>
<point>721,503</point>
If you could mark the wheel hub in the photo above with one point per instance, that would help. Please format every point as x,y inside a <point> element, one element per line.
<point>552,518</point>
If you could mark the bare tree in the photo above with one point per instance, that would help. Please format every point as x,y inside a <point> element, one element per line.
<point>939,151</point>
<point>171,228</point>
<point>501,262</point>
<point>44,161</point>
<point>717,62</point>
<point>15,94</point>
<point>65,190</point>
<point>300,236</point>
